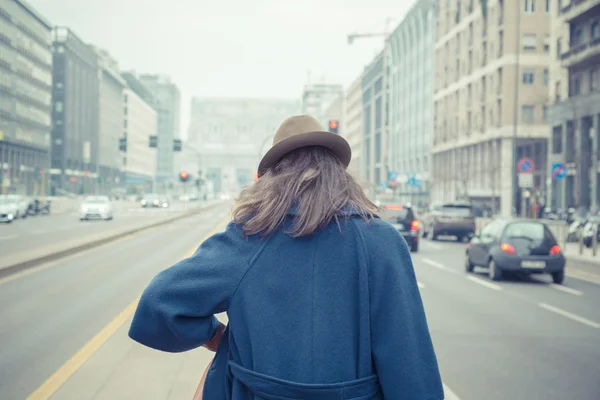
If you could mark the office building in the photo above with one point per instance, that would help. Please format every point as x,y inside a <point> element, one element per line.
<point>76,114</point>
<point>353,128</point>
<point>139,159</point>
<point>230,136</point>
<point>317,98</point>
<point>575,100</point>
<point>111,123</point>
<point>25,98</point>
<point>167,100</point>
<point>411,54</point>
<point>490,85</point>
<point>335,112</point>
<point>374,165</point>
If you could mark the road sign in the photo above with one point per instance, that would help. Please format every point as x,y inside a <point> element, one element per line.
<point>413,181</point>
<point>525,165</point>
<point>525,180</point>
<point>559,170</point>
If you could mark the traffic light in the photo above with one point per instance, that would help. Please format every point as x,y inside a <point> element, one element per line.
<point>153,142</point>
<point>333,126</point>
<point>184,176</point>
<point>177,145</point>
<point>123,144</point>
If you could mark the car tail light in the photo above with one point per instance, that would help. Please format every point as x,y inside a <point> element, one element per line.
<point>508,248</point>
<point>555,250</point>
<point>414,226</point>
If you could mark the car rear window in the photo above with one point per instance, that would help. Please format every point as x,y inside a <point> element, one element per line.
<point>395,213</point>
<point>460,211</point>
<point>530,230</point>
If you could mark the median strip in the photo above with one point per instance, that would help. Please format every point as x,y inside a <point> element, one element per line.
<point>13,267</point>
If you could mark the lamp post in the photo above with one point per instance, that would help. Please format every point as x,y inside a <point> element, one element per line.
<point>516,108</point>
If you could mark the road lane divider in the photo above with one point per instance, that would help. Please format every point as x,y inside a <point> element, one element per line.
<point>47,389</point>
<point>483,282</point>
<point>570,315</point>
<point>566,289</point>
<point>20,262</point>
<point>439,266</point>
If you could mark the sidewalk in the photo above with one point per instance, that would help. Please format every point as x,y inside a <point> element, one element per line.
<point>571,251</point>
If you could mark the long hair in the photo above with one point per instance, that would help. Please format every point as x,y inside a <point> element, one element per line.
<point>310,180</point>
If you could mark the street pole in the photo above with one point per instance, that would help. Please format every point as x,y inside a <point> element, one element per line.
<point>513,201</point>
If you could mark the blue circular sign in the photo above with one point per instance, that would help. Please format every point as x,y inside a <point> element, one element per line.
<point>559,170</point>
<point>525,165</point>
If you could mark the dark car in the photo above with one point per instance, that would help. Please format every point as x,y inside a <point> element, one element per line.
<point>405,220</point>
<point>450,219</point>
<point>516,246</point>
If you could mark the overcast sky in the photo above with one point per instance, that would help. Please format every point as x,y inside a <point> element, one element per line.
<point>235,48</point>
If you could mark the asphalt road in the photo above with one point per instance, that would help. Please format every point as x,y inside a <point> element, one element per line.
<point>515,339</point>
<point>44,231</point>
<point>48,314</point>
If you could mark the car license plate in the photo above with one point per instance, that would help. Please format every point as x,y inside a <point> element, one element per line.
<point>533,264</point>
<point>400,227</point>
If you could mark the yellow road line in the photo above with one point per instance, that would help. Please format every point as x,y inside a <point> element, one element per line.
<point>52,384</point>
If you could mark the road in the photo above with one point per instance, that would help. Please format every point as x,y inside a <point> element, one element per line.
<point>44,231</point>
<point>518,339</point>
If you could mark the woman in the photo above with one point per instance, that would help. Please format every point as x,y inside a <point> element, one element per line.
<point>321,295</point>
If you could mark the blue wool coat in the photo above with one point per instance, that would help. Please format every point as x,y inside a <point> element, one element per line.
<point>336,315</point>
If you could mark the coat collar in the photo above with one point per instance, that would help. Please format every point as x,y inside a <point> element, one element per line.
<point>347,211</point>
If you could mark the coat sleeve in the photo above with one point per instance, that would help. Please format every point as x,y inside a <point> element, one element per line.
<point>402,350</point>
<point>177,310</point>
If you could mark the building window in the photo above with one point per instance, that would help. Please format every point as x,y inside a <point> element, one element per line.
<point>547,6</point>
<point>557,92</point>
<point>530,6</point>
<point>576,87</point>
<point>58,106</point>
<point>557,140</point>
<point>527,113</point>
<point>529,41</point>
<point>595,29</point>
<point>547,43</point>
<point>576,36</point>
<point>528,76</point>
<point>595,79</point>
<point>546,76</point>
<point>545,113</point>
<point>558,48</point>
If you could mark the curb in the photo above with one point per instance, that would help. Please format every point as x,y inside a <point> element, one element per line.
<point>53,256</point>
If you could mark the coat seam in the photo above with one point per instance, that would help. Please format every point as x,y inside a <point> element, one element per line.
<point>312,319</point>
<point>249,266</point>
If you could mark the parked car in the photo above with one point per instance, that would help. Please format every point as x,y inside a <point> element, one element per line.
<point>518,246</point>
<point>96,207</point>
<point>23,204</point>
<point>450,219</point>
<point>405,220</point>
<point>8,209</point>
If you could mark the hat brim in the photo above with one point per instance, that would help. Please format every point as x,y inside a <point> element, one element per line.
<point>337,144</point>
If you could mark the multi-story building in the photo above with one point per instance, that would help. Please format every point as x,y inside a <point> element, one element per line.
<point>335,112</point>
<point>353,128</point>
<point>111,122</point>
<point>411,110</point>
<point>167,103</point>
<point>375,163</point>
<point>490,86</point>
<point>317,97</point>
<point>139,160</point>
<point>25,98</point>
<point>231,135</point>
<point>575,99</point>
<point>76,113</point>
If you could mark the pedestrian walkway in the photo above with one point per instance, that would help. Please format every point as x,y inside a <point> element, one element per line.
<point>572,252</point>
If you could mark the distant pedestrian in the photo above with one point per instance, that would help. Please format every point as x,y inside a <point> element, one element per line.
<point>320,293</point>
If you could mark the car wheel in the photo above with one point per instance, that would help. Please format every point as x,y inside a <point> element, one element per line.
<point>414,247</point>
<point>434,237</point>
<point>495,273</point>
<point>558,277</point>
<point>469,267</point>
<point>425,233</point>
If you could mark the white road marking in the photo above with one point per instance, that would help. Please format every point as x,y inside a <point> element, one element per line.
<point>482,282</point>
<point>420,285</point>
<point>9,237</point>
<point>566,289</point>
<point>37,231</point>
<point>439,266</point>
<point>449,394</point>
<point>569,315</point>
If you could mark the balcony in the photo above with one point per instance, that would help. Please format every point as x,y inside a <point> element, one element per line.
<point>580,53</point>
<point>577,8</point>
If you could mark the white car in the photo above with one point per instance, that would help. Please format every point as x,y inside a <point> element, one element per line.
<point>22,205</point>
<point>97,207</point>
<point>8,209</point>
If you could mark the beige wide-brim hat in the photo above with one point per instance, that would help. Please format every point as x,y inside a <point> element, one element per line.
<point>303,131</point>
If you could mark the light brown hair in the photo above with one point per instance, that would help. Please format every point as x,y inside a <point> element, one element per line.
<point>313,182</point>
